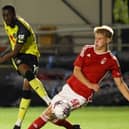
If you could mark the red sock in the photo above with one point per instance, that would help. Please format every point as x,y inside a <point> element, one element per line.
<point>64,123</point>
<point>38,123</point>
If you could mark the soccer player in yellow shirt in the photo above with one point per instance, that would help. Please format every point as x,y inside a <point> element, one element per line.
<point>24,54</point>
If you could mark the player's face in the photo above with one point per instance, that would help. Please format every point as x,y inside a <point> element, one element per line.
<point>101,41</point>
<point>8,17</point>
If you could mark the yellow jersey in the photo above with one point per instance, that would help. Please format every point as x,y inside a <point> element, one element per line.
<point>22,33</point>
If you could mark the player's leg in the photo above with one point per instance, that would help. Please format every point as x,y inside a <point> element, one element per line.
<point>67,124</point>
<point>42,119</point>
<point>74,100</point>
<point>63,123</point>
<point>27,65</point>
<point>24,104</point>
<point>34,82</point>
<point>37,87</point>
<point>46,116</point>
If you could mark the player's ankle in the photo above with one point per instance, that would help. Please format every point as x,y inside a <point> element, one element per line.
<point>18,122</point>
<point>47,100</point>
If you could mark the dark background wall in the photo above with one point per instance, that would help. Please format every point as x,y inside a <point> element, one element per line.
<point>53,74</point>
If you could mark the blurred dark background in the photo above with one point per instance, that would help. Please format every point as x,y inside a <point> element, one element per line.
<point>61,35</point>
<point>53,74</point>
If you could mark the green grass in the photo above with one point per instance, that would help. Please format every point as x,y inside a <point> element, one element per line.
<point>88,117</point>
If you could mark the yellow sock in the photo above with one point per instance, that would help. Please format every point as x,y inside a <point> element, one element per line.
<point>38,87</point>
<point>24,104</point>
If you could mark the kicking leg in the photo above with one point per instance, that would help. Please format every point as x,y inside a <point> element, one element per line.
<point>46,116</point>
<point>41,120</point>
<point>34,82</point>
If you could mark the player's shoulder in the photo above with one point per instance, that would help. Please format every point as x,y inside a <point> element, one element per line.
<point>21,20</point>
<point>23,26</point>
<point>113,57</point>
<point>86,48</point>
<point>22,23</point>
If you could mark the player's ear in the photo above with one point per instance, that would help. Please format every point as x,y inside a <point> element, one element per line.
<point>109,40</point>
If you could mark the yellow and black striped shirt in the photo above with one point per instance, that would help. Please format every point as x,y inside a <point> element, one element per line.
<point>22,33</point>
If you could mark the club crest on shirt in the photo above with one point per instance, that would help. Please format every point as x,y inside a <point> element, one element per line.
<point>88,55</point>
<point>21,38</point>
<point>103,61</point>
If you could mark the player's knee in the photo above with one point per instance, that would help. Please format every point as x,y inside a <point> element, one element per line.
<point>26,94</point>
<point>29,75</point>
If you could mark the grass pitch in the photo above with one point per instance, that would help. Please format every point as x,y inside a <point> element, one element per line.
<point>87,117</point>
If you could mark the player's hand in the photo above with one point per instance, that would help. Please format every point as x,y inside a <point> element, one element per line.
<point>95,87</point>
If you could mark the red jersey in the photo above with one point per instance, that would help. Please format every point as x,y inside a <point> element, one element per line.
<point>94,66</point>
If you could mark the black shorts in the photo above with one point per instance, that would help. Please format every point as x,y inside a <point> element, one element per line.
<point>28,59</point>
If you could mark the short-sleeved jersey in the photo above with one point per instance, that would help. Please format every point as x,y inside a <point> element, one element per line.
<point>93,66</point>
<point>22,33</point>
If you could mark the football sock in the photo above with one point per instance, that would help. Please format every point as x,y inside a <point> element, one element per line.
<point>38,87</point>
<point>38,123</point>
<point>63,123</point>
<point>24,104</point>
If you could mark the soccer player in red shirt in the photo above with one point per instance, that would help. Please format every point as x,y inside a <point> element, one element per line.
<point>90,66</point>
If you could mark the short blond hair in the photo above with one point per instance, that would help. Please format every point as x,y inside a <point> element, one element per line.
<point>105,30</point>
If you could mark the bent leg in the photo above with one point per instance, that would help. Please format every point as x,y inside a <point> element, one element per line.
<point>34,82</point>
<point>42,119</point>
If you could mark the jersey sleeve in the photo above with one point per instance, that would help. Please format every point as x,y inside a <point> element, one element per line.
<point>80,58</point>
<point>115,69</point>
<point>22,34</point>
<point>78,61</point>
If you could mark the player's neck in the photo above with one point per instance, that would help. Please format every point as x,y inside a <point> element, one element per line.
<point>101,51</point>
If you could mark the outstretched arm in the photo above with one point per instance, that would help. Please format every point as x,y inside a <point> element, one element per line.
<point>122,86</point>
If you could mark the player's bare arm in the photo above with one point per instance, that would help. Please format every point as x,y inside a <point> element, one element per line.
<point>78,74</point>
<point>122,86</point>
<point>11,54</point>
